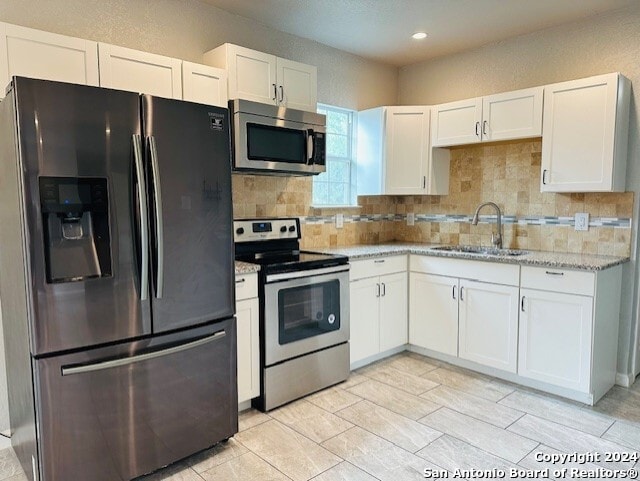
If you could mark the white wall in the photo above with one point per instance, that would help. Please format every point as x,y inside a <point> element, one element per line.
<point>606,43</point>
<point>187,28</point>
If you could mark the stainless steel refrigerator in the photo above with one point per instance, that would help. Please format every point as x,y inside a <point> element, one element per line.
<point>116,279</point>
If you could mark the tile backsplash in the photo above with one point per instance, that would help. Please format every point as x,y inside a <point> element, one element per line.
<point>507,174</point>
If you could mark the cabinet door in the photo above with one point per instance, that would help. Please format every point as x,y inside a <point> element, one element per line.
<point>555,338</point>
<point>364,318</point>
<point>393,311</point>
<point>512,115</point>
<point>578,136</point>
<point>489,324</point>
<point>248,349</point>
<point>33,53</point>
<point>204,84</point>
<point>407,150</point>
<point>126,69</point>
<point>252,75</point>
<point>297,85</point>
<point>456,123</point>
<point>433,313</point>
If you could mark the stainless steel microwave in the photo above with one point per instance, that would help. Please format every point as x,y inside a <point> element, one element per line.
<point>276,140</point>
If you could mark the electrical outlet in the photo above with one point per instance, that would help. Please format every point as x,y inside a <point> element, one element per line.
<point>339,221</point>
<point>411,218</point>
<point>582,221</point>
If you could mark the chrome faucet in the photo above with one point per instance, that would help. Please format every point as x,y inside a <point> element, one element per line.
<point>496,239</point>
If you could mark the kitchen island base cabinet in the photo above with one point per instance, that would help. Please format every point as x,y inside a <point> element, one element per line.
<point>378,308</point>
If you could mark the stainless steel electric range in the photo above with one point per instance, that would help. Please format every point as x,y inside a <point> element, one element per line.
<point>304,311</point>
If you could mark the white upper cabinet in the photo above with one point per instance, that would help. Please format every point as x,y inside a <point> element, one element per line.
<point>204,84</point>
<point>297,84</point>
<point>456,123</point>
<point>585,133</point>
<point>126,69</point>
<point>49,56</point>
<point>512,115</point>
<point>505,116</point>
<point>395,156</point>
<point>265,78</point>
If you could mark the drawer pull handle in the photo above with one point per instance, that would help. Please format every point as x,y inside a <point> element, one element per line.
<point>551,273</point>
<point>240,281</point>
<point>453,293</point>
<point>384,290</point>
<point>379,261</point>
<point>462,293</point>
<point>522,304</point>
<point>377,290</point>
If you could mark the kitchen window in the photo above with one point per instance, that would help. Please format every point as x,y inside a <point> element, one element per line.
<point>337,186</point>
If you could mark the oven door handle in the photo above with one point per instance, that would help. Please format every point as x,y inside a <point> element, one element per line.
<point>300,274</point>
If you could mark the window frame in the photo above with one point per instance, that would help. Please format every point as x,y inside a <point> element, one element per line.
<point>351,182</point>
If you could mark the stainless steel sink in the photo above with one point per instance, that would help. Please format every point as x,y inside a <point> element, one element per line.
<point>486,251</point>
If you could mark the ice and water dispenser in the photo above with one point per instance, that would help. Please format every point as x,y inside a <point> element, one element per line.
<point>75,219</point>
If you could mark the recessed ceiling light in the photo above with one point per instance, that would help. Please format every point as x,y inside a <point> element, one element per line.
<point>419,35</point>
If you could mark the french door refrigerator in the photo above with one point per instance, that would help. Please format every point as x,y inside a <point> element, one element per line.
<point>116,278</point>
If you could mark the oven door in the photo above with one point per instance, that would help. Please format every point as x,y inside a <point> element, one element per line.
<point>265,143</point>
<point>305,311</point>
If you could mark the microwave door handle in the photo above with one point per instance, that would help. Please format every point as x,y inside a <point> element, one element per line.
<point>157,190</point>
<point>311,136</point>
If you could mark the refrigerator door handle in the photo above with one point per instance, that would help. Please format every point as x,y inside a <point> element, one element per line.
<point>142,203</point>
<point>157,190</point>
<point>125,361</point>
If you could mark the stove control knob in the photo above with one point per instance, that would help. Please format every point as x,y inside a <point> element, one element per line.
<point>240,230</point>
<point>283,228</point>
<point>292,228</point>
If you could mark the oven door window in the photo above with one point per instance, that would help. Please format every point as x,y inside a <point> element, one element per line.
<point>307,311</point>
<point>276,144</point>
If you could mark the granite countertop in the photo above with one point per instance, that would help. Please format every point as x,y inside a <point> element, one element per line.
<point>246,268</point>
<point>586,262</point>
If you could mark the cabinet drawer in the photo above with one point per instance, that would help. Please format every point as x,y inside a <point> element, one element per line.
<point>496,273</point>
<point>558,280</point>
<point>246,286</point>
<point>378,266</point>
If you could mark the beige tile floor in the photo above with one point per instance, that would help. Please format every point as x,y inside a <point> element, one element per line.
<point>394,418</point>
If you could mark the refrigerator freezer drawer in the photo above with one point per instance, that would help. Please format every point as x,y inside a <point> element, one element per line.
<point>119,412</point>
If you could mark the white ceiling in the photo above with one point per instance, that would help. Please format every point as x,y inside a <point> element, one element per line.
<point>381,29</point>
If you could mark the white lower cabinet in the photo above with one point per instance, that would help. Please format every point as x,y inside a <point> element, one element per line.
<point>247,320</point>
<point>364,319</point>
<point>555,338</point>
<point>550,329</point>
<point>477,321</point>
<point>452,314</point>
<point>433,312</point>
<point>488,316</point>
<point>378,309</point>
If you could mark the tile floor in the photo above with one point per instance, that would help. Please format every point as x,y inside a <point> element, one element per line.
<point>394,418</point>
